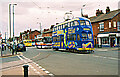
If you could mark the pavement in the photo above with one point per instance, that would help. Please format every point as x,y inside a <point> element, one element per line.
<point>14,68</point>
<point>108,49</point>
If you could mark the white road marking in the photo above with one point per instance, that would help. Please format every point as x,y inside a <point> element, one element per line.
<point>47,72</point>
<point>80,54</point>
<point>40,67</point>
<point>37,64</point>
<point>43,69</point>
<point>95,56</point>
<point>19,57</point>
<point>33,67</point>
<point>51,75</point>
<point>113,58</point>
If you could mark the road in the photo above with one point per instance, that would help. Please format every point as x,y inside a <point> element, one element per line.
<point>102,62</point>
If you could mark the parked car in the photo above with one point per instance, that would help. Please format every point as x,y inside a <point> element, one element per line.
<point>20,47</point>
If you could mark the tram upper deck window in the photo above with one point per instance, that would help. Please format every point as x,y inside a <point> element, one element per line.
<point>69,24</point>
<point>87,23</point>
<point>59,27</point>
<point>84,36</point>
<point>82,22</point>
<point>72,23</point>
<point>66,25</point>
<point>76,23</point>
<point>63,26</point>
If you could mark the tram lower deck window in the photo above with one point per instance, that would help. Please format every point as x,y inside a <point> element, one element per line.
<point>82,22</point>
<point>84,35</point>
<point>90,36</point>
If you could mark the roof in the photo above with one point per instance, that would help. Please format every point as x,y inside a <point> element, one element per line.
<point>36,31</point>
<point>105,16</point>
<point>49,31</point>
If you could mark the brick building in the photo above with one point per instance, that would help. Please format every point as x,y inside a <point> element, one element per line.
<point>48,32</point>
<point>106,28</point>
<point>29,34</point>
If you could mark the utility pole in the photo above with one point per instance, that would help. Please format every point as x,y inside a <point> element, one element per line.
<point>40,29</point>
<point>13,30</point>
<point>82,10</point>
<point>10,19</point>
<point>5,37</point>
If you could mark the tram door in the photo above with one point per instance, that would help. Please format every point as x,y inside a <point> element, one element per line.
<point>61,41</point>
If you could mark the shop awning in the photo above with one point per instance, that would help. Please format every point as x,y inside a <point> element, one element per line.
<point>103,35</point>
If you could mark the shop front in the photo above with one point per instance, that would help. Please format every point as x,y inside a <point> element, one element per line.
<point>109,40</point>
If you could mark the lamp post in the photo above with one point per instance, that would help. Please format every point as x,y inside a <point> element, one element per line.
<point>10,20</point>
<point>13,30</point>
<point>40,27</point>
<point>82,11</point>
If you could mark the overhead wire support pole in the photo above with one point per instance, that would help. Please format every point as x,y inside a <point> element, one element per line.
<point>13,30</point>
<point>10,19</point>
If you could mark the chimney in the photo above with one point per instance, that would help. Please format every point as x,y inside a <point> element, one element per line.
<point>99,12</point>
<point>27,31</point>
<point>30,30</point>
<point>107,10</point>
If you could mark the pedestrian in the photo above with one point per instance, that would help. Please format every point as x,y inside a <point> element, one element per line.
<point>113,42</point>
<point>5,46</point>
<point>2,47</point>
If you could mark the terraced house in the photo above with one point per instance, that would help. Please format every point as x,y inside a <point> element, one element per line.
<point>106,28</point>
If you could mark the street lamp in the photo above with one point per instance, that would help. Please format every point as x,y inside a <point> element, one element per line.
<point>40,27</point>
<point>13,30</point>
<point>10,20</point>
<point>81,10</point>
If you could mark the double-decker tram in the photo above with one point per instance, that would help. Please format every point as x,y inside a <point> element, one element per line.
<point>75,35</point>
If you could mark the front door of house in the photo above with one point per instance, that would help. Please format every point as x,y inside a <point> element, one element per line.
<point>112,42</point>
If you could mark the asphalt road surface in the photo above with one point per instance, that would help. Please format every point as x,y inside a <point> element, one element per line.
<point>102,62</point>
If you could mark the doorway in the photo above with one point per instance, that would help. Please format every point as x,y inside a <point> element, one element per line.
<point>112,42</point>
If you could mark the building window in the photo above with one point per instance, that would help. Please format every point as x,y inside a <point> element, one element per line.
<point>101,26</point>
<point>114,24</point>
<point>118,26</point>
<point>109,24</point>
<point>105,40</point>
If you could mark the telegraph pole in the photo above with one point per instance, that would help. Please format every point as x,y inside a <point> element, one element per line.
<point>5,37</point>
<point>13,30</point>
<point>10,19</point>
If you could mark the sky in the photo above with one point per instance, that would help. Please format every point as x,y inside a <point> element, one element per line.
<point>29,13</point>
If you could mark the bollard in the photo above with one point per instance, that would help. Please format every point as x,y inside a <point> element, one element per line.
<point>25,70</point>
<point>12,51</point>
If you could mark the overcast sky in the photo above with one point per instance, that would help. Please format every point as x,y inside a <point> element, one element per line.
<point>47,12</point>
